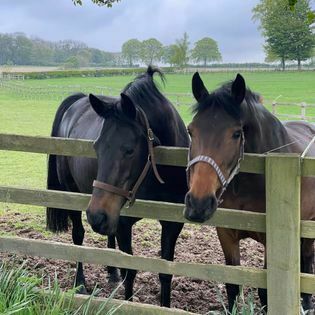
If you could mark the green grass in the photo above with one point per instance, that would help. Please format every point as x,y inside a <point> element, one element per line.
<point>284,86</point>
<point>20,295</point>
<point>293,86</point>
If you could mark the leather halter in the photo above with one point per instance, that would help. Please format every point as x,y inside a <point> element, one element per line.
<point>207,159</point>
<point>130,195</point>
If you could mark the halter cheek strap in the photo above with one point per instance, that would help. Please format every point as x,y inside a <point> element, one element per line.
<point>207,159</point>
<point>130,195</point>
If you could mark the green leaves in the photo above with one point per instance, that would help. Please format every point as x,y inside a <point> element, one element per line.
<point>151,51</point>
<point>131,51</point>
<point>287,32</point>
<point>206,50</point>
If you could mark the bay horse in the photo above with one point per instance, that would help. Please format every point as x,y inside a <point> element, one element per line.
<point>124,131</point>
<point>227,122</point>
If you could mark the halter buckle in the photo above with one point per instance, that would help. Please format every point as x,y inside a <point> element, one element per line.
<point>150,134</point>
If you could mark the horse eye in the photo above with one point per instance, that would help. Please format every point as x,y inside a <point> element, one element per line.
<point>237,134</point>
<point>129,152</point>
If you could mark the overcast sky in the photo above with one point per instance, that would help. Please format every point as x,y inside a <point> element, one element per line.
<point>226,21</point>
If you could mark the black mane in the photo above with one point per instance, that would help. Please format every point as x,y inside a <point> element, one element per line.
<point>164,119</point>
<point>143,87</point>
<point>258,123</point>
<point>144,93</point>
<point>222,97</point>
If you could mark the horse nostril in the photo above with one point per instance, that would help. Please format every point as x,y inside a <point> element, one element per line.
<point>188,200</point>
<point>96,220</point>
<point>199,209</point>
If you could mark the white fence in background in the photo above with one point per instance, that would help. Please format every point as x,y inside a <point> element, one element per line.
<point>11,76</point>
<point>283,110</point>
<point>304,111</point>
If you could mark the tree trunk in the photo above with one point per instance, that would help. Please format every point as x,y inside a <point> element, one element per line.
<point>205,62</point>
<point>283,63</point>
<point>299,64</point>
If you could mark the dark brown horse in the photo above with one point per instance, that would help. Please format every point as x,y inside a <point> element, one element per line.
<point>226,122</point>
<point>124,129</point>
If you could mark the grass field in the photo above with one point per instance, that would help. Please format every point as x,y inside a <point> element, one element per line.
<point>292,86</point>
<point>34,117</point>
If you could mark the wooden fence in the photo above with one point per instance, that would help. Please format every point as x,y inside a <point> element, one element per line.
<point>303,107</point>
<point>11,76</point>
<point>281,223</point>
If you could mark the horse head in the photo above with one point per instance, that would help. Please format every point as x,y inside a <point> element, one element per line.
<point>124,152</point>
<point>217,144</point>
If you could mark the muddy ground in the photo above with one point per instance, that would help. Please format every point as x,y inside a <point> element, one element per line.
<point>195,244</point>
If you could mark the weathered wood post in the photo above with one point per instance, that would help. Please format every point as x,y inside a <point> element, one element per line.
<point>177,100</point>
<point>303,111</point>
<point>273,110</point>
<point>283,185</point>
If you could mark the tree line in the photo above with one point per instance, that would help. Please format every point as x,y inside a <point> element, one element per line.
<point>18,49</point>
<point>178,54</point>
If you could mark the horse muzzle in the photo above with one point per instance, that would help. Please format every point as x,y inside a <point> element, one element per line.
<point>101,223</point>
<point>199,209</point>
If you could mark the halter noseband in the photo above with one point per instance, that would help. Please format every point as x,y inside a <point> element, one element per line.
<point>131,194</point>
<point>207,159</point>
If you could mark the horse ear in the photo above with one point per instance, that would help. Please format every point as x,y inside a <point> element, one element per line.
<point>127,106</point>
<point>100,107</point>
<point>239,89</point>
<point>198,87</point>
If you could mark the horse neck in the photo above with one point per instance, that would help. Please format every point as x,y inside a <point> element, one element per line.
<point>263,131</point>
<point>164,120</point>
<point>168,126</point>
<point>163,117</point>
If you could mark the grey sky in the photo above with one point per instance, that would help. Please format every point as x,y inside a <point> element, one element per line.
<point>227,21</point>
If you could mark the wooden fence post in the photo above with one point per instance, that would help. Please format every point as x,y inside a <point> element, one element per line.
<point>274,104</point>
<point>283,185</point>
<point>303,111</point>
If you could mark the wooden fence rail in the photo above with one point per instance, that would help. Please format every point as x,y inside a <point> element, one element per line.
<point>228,218</point>
<point>281,222</point>
<point>303,108</point>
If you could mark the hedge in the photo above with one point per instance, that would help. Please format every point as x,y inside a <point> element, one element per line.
<point>83,73</point>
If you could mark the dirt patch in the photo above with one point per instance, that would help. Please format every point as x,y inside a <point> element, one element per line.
<point>195,244</point>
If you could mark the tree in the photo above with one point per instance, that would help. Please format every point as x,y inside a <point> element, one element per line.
<point>270,55</point>
<point>169,54</point>
<point>313,57</point>
<point>301,33</point>
<point>131,51</point>
<point>151,51</point>
<point>72,63</point>
<point>180,56</point>
<point>287,32</point>
<point>19,49</point>
<point>206,50</point>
